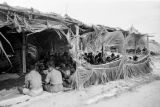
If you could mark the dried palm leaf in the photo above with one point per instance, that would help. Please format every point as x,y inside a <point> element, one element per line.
<point>3,51</point>
<point>7,41</point>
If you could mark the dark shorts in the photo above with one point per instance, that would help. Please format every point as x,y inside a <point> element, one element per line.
<point>53,88</point>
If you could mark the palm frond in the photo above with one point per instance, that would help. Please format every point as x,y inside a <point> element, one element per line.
<point>1,47</point>
<point>6,41</point>
<point>32,50</point>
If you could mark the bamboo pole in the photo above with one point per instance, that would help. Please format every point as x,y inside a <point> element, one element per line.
<point>24,51</point>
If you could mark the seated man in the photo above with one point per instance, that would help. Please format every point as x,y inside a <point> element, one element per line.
<point>108,59</point>
<point>113,56</point>
<point>53,81</point>
<point>135,58</point>
<point>33,83</point>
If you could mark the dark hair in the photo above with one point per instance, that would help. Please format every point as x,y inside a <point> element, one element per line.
<point>31,67</point>
<point>51,64</point>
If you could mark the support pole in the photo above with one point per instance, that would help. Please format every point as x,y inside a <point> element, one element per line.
<point>77,59</point>
<point>148,44</point>
<point>102,51</point>
<point>24,51</point>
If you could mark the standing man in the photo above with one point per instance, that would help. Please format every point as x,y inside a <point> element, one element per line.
<point>33,83</point>
<point>53,81</point>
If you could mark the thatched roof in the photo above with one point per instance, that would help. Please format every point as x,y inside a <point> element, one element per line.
<point>102,35</point>
<point>33,20</point>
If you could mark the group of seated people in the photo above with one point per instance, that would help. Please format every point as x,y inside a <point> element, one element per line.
<point>52,76</point>
<point>134,58</point>
<point>99,58</point>
<point>59,59</point>
<point>138,51</point>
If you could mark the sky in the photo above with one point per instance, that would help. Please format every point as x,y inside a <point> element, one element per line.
<point>144,15</point>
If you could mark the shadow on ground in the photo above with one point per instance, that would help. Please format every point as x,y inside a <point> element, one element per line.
<point>11,83</point>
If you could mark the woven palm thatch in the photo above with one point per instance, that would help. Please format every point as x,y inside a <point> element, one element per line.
<point>135,40</point>
<point>95,40</point>
<point>120,69</point>
<point>33,20</point>
<point>116,39</point>
<point>141,67</point>
<point>92,44</point>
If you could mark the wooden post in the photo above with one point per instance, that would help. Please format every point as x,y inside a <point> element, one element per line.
<point>77,59</point>
<point>135,47</point>
<point>124,45</point>
<point>102,51</point>
<point>24,51</point>
<point>148,43</point>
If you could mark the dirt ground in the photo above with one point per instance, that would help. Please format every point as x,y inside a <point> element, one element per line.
<point>8,88</point>
<point>144,96</point>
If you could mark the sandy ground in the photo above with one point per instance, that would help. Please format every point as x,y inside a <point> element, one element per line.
<point>143,91</point>
<point>145,96</point>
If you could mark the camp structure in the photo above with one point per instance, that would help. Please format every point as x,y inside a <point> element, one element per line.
<point>37,34</point>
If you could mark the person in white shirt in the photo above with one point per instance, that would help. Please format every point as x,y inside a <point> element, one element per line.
<point>33,83</point>
<point>53,81</point>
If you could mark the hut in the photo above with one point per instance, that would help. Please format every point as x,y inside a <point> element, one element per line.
<point>29,29</point>
<point>36,34</point>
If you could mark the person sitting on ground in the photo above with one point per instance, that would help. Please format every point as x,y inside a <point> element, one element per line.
<point>53,81</point>
<point>113,56</point>
<point>108,59</point>
<point>33,83</point>
<point>100,58</point>
<point>86,56</point>
<point>145,51</point>
<point>135,58</point>
<point>130,58</point>
<point>66,81</point>
<point>118,56</point>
